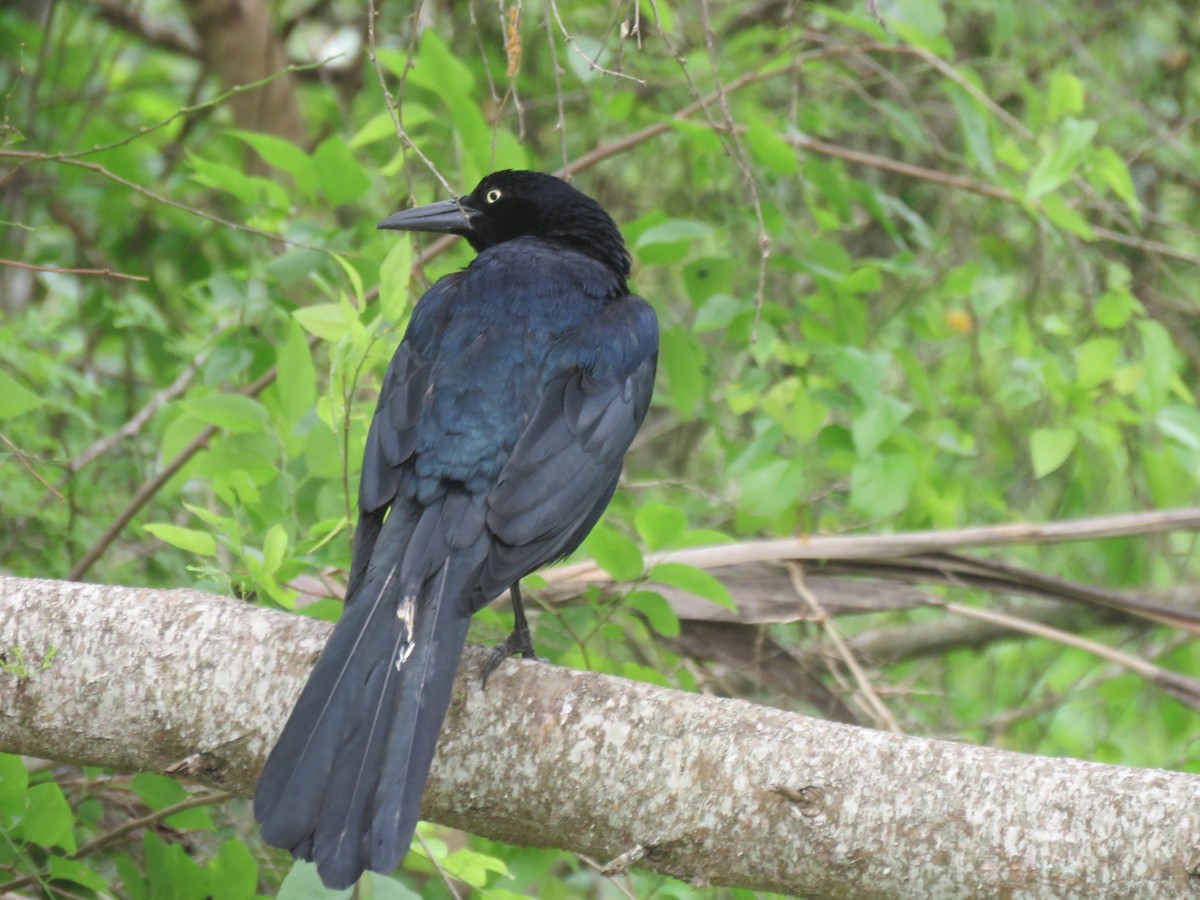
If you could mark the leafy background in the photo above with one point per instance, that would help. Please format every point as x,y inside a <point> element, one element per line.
<point>917,266</point>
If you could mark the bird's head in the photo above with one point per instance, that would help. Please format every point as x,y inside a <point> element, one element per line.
<point>512,204</point>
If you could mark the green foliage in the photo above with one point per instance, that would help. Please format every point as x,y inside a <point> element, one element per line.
<point>921,273</point>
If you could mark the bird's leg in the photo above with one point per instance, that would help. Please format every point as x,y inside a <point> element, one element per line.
<point>520,641</point>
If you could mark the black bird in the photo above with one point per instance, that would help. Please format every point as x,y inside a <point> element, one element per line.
<point>495,446</point>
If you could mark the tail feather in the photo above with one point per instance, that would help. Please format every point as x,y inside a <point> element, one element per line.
<point>423,698</point>
<point>343,785</point>
<point>295,780</point>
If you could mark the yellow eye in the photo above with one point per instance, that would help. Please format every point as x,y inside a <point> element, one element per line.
<point>492,196</point>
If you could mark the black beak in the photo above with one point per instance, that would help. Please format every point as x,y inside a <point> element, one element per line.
<point>443,217</point>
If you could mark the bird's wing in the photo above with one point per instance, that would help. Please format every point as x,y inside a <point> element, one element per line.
<point>564,467</point>
<point>393,432</point>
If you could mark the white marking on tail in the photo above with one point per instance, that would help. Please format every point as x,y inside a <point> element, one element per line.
<point>406,612</point>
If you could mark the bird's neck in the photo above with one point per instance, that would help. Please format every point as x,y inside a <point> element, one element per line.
<point>608,249</point>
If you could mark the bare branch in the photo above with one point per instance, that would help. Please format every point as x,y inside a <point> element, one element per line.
<point>109,273</point>
<point>700,788</point>
<point>885,546</point>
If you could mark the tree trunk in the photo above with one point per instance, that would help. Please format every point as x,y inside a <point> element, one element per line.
<point>239,45</point>
<point>707,789</point>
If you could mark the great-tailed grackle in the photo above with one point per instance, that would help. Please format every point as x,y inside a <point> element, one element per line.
<point>496,444</point>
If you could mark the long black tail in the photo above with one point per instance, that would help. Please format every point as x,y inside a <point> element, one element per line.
<point>343,785</point>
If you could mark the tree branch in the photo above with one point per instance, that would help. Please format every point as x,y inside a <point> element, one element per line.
<point>885,546</point>
<point>702,788</point>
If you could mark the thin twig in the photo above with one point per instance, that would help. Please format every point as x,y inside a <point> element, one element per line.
<point>977,187</point>
<point>742,158</point>
<point>23,459</point>
<point>140,498</point>
<point>187,110</point>
<point>592,64</point>
<point>1184,689</point>
<point>143,415</point>
<point>111,837</point>
<point>446,880</point>
<point>560,125</point>
<point>391,104</point>
<point>877,706</point>
<point>109,273</point>
<point>29,157</point>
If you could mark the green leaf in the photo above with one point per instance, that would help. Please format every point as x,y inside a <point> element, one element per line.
<point>693,580</point>
<point>1181,424</point>
<point>1095,361</point>
<point>472,867</point>
<point>656,609</point>
<point>394,275</point>
<point>226,525</point>
<point>341,176</point>
<point>1064,96</point>
<point>772,486</point>
<point>1108,164</point>
<point>69,870</point>
<point>48,820</point>
<point>297,375</point>
<point>861,370</point>
<point>614,553</point>
<point>924,16</point>
<point>131,876</point>
<point>382,887</point>
<point>232,412</point>
<point>1050,447</point>
<point>14,781</point>
<point>250,190</point>
<point>199,542</point>
<point>381,126</point>
<point>975,128</point>
<point>159,792</point>
<point>170,872</point>
<point>378,127</point>
<point>826,259</point>
<point>1159,355</point>
<point>658,524</point>
<point>770,150</point>
<point>275,547</point>
<point>326,320</point>
<point>1010,153</point>
<point>1066,217</point>
<point>15,398</point>
<point>1061,162</point>
<point>881,486</point>
<point>355,280</point>
<point>672,231</point>
<point>717,312</point>
<point>285,156</point>
<point>830,181</point>
<point>683,361</point>
<point>233,873</point>
<point>435,67</point>
<point>877,423</point>
<point>1114,309</point>
<point>634,672</point>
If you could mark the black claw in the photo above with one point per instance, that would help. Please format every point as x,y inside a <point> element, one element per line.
<point>520,641</point>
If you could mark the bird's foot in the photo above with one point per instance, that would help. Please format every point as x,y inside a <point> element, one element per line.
<point>519,642</point>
